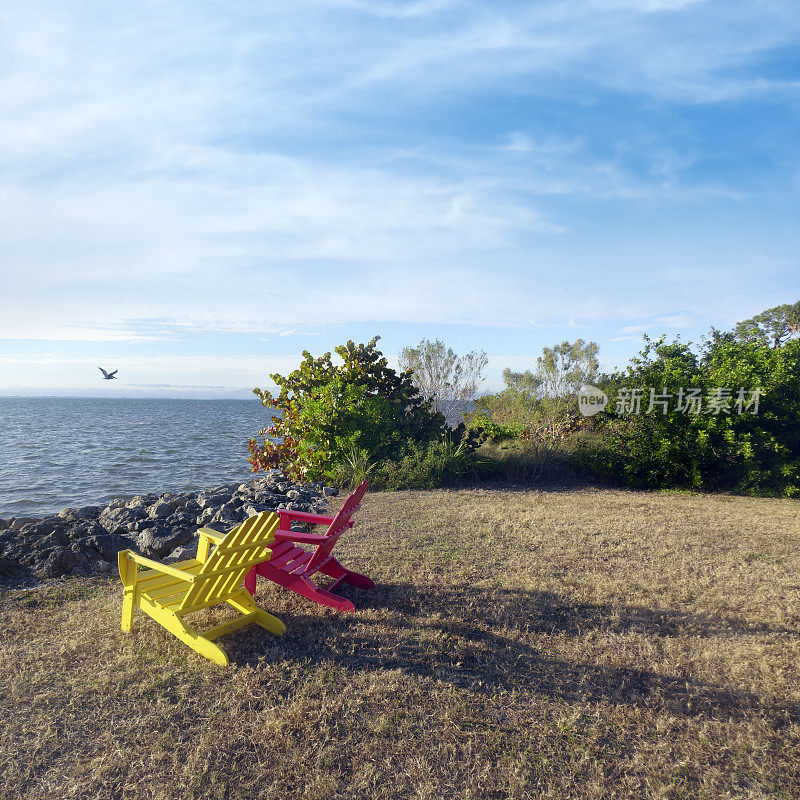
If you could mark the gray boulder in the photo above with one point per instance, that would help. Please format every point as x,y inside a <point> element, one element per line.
<point>84,528</point>
<point>182,553</point>
<point>230,511</point>
<point>141,525</point>
<point>159,540</point>
<point>180,518</point>
<point>76,514</point>
<point>251,509</point>
<point>46,526</point>
<point>268,499</point>
<point>109,544</point>
<point>6,536</point>
<point>213,499</point>
<point>142,500</point>
<point>162,508</point>
<point>118,519</point>
<point>51,541</point>
<point>20,522</point>
<point>206,516</point>
<point>63,561</point>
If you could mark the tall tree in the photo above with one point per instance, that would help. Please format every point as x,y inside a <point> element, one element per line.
<point>773,327</point>
<point>444,378</point>
<point>541,402</point>
<point>562,369</point>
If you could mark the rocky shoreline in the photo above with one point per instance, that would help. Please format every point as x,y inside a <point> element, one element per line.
<point>85,541</point>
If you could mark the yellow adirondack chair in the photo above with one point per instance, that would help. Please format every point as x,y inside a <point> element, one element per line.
<point>169,592</point>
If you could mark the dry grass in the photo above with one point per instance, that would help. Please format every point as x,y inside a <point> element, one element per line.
<point>579,644</point>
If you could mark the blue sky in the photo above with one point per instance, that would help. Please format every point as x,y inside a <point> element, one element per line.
<point>194,193</point>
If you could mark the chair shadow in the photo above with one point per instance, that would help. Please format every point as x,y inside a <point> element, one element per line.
<point>450,634</point>
<point>547,612</point>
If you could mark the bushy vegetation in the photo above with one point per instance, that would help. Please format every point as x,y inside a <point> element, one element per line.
<point>355,420</point>
<point>722,416</point>
<point>527,429</point>
<point>726,446</point>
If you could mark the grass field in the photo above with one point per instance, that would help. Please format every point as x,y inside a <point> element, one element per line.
<point>520,644</point>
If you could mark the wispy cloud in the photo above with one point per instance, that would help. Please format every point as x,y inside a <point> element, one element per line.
<point>669,321</point>
<point>168,171</point>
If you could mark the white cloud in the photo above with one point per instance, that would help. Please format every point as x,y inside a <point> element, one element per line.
<point>176,169</point>
<point>398,10</point>
<point>669,321</point>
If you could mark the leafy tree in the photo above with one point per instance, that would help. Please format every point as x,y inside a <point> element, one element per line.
<point>539,404</point>
<point>325,412</point>
<point>525,384</point>
<point>443,378</point>
<point>641,448</point>
<point>562,369</point>
<point>773,327</point>
<point>718,449</point>
<point>761,451</point>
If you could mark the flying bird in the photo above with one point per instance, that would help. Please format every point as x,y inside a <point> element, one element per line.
<point>109,376</point>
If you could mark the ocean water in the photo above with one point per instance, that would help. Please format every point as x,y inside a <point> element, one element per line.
<point>59,452</point>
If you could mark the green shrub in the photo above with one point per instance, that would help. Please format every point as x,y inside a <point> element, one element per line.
<point>494,431</point>
<point>325,413</point>
<point>523,461</point>
<point>749,453</point>
<point>445,461</point>
<point>354,466</point>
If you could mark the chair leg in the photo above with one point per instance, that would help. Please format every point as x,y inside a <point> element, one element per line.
<point>358,580</point>
<point>335,570</point>
<point>127,572</point>
<point>306,588</point>
<point>244,603</point>
<point>183,631</point>
<point>127,611</point>
<point>250,581</point>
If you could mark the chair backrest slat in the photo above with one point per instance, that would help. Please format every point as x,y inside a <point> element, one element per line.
<point>336,528</point>
<point>223,571</point>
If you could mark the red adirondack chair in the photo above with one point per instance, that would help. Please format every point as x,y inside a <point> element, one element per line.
<point>292,566</point>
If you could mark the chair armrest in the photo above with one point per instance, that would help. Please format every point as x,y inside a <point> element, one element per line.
<point>303,516</point>
<point>207,536</point>
<point>299,536</point>
<point>215,536</point>
<point>157,565</point>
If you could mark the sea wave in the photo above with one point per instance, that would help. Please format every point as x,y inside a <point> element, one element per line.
<point>61,452</point>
